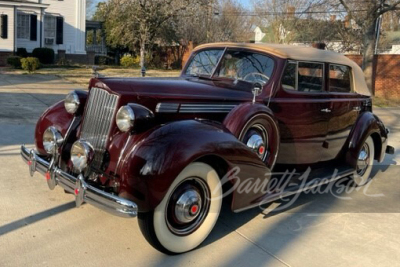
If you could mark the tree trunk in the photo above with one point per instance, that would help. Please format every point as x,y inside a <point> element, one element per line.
<point>369,41</point>
<point>142,52</point>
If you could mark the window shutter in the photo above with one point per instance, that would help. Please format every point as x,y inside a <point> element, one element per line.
<point>60,30</point>
<point>4,26</point>
<point>33,28</point>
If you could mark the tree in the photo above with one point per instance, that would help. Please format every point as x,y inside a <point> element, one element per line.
<point>138,22</point>
<point>365,14</point>
<point>292,20</point>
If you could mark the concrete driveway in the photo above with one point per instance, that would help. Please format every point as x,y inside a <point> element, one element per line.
<point>39,227</point>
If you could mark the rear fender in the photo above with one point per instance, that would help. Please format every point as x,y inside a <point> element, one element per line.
<point>367,124</point>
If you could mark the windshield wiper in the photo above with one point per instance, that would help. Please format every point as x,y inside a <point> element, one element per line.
<point>201,76</point>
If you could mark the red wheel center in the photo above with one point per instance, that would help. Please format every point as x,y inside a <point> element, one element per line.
<point>261,150</point>
<point>194,209</point>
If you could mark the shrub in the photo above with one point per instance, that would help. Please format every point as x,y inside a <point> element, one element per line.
<point>30,64</point>
<point>45,55</point>
<point>21,52</point>
<point>14,61</point>
<point>129,61</point>
<point>64,62</point>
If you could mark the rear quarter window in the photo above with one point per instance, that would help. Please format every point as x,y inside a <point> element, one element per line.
<point>339,79</point>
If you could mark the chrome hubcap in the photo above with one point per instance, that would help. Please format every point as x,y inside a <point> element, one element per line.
<point>363,160</point>
<point>188,206</point>
<point>257,140</point>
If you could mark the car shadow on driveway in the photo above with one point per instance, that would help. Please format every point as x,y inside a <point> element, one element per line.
<point>276,230</point>
<point>15,225</point>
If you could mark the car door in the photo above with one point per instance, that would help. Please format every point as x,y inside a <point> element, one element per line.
<point>345,108</point>
<point>301,107</point>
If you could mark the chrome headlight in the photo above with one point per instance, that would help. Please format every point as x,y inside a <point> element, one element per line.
<point>125,118</point>
<point>71,102</point>
<point>81,155</point>
<point>52,139</point>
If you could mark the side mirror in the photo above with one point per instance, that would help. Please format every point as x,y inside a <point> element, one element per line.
<point>257,89</point>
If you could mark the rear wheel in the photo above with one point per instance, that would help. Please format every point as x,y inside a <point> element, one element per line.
<point>188,212</point>
<point>365,162</point>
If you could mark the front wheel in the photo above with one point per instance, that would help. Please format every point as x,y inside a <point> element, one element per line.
<point>188,212</point>
<point>361,175</point>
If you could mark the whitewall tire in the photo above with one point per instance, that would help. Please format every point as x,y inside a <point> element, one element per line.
<point>187,213</point>
<point>362,174</point>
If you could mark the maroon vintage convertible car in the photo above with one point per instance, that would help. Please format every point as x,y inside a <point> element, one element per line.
<point>164,149</point>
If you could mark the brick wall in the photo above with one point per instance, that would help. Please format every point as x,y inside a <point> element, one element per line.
<point>387,76</point>
<point>3,57</point>
<point>187,53</point>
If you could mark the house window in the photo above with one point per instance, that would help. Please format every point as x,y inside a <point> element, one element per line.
<point>23,26</point>
<point>50,27</point>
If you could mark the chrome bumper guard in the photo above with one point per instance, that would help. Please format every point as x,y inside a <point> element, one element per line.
<point>76,185</point>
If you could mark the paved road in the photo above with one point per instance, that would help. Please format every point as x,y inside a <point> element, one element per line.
<point>39,227</point>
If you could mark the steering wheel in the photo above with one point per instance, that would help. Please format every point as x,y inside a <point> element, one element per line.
<point>264,78</point>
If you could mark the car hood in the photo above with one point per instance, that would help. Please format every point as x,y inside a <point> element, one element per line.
<point>177,88</point>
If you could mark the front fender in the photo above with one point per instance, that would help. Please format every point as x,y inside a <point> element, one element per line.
<point>367,124</point>
<point>152,163</point>
<point>56,116</point>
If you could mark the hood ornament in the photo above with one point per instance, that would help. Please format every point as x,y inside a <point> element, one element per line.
<point>95,72</point>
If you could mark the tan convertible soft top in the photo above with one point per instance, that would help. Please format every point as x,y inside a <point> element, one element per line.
<point>306,54</point>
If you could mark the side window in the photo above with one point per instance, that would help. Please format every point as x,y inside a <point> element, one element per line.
<point>339,78</point>
<point>310,77</point>
<point>289,76</point>
<point>303,77</point>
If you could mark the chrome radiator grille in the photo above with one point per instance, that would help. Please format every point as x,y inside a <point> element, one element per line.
<point>99,112</point>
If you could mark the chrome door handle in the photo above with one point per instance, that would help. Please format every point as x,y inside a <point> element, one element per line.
<point>326,110</point>
<point>357,108</point>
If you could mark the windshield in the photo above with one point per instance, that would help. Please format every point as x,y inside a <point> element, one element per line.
<point>204,62</point>
<point>237,65</point>
<point>246,66</point>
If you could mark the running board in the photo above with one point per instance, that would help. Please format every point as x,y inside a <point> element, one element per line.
<point>308,186</point>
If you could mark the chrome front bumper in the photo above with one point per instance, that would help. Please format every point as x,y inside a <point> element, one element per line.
<point>83,192</point>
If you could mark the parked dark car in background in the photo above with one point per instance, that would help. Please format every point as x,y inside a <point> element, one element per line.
<point>160,149</point>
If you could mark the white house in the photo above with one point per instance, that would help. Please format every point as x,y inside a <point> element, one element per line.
<point>56,24</point>
<point>258,35</point>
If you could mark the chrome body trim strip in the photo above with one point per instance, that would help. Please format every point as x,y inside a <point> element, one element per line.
<point>194,108</point>
<point>108,202</point>
<point>167,107</point>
